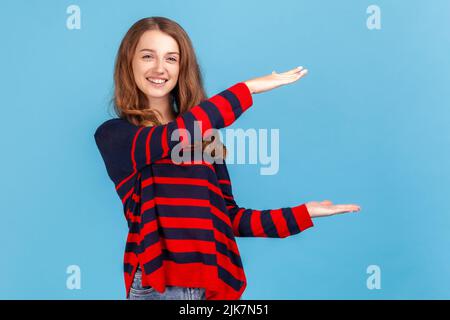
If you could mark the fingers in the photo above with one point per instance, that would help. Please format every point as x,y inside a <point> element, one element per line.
<point>299,71</point>
<point>346,207</point>
<point>292,77</point>
<point>326,208</point>
<point>293,71</point>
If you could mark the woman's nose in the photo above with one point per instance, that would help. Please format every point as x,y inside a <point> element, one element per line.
<point>159,65</point>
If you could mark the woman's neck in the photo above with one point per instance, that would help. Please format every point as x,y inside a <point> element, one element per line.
<point>164,107</point>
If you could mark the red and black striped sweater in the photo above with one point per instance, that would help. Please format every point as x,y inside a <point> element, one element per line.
<point>182,218</point>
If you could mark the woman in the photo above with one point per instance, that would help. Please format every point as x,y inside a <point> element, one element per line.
<point>182,216</point>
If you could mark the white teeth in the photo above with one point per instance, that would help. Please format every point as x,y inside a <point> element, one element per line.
<point>156,80</point>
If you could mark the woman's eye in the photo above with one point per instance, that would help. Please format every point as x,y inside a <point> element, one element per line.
<point>149,56</point>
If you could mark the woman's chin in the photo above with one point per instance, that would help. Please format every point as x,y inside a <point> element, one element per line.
<point>157,92</point>
<point>152,93</point>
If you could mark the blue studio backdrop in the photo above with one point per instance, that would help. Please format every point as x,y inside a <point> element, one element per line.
<point>368,125</point>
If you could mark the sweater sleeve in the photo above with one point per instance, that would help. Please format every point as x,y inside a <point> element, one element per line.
<point>126,148</point>
<point>273,223</point>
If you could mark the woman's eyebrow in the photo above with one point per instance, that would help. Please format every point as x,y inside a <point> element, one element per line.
<point>172,52</point>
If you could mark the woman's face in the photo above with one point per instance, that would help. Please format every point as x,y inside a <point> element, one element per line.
<point>157,56</point>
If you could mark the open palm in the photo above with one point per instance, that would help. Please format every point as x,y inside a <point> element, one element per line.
<point>275,80</point>
<point>327,208</point>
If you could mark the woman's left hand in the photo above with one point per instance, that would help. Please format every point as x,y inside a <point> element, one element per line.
<point>327,208</point>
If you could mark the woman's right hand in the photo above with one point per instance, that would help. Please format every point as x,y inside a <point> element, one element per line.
<point>275,80</point>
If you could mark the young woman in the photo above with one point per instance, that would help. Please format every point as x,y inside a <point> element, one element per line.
<point>182,216</point>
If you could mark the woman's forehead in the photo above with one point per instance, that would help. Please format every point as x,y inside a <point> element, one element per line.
<point>157,42</point>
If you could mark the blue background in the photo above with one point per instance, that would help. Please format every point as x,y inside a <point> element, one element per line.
<point>368,125</point>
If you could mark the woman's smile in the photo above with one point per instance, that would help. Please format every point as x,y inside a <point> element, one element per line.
<point>158,83</point>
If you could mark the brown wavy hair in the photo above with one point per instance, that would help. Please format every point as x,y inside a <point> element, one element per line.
<point>131,103</point>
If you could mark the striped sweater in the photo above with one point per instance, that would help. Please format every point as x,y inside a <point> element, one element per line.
<point>182,217</point>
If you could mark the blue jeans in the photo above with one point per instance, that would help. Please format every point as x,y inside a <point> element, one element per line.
<point>138,292</point>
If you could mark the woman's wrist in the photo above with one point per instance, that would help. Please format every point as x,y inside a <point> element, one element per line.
<point>249,86</point>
